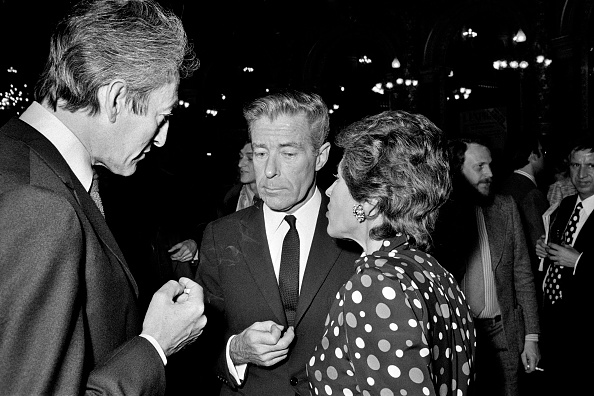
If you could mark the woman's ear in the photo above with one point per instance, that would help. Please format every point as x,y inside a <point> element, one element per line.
<point>370,207</point>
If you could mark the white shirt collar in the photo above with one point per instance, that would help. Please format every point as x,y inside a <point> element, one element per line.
<point>276,229</point>
<point>72,150</point>
<point>587,204</point>
<point>528,175</point>
<point>306,215</point>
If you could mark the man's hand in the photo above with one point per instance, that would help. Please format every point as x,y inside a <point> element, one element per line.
<point>541,247</point>
<point>175,315</point>
<point>183,251</point>
<point>261,344</point>
<point>530,356</point>
<point>563,255</point>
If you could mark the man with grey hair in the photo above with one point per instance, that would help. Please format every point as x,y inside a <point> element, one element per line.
<point>70,319</point>
<point>270,271</point>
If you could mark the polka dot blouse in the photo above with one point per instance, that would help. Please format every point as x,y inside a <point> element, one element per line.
<point>399,326</point>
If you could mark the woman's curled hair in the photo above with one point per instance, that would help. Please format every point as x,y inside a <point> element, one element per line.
<point>399,160</point>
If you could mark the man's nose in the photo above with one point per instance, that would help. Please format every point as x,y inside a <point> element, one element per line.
<point>329,189</point>
<point>161,137</point>
<point>271,169</point>
<point>583,171</point>
<point>487,171</point>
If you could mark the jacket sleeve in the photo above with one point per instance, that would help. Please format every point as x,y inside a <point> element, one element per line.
<point>523,277</point>
<point>135,368</point>
<point>45,342</point>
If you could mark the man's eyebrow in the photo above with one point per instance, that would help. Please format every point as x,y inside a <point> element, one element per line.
<point>292,144</point>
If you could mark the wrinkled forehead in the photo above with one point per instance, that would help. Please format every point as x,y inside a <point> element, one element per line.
<point>585,155</point>
<point>476,153</point>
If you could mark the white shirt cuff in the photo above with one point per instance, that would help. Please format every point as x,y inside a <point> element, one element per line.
<point>157,347</point>
<point>576,262</point>
<point>238,372</point>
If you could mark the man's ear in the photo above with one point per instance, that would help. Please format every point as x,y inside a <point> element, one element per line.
<point>112,99</point>
<point>323,155</point>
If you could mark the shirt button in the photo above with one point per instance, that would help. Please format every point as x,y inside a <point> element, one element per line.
<point>293,381</point>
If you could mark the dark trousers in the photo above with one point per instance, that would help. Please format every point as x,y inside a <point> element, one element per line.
<point>566,351</point>
<point>497,368</point>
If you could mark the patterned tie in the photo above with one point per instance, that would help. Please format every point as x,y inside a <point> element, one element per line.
<point>288,282</point>
<point>95,192</point>
<point>552,286</point>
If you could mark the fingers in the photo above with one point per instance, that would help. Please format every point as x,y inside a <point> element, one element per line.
<point>286,339</point>
<point>170,290</point>
<point>175,247</point>
<point>262,344</point>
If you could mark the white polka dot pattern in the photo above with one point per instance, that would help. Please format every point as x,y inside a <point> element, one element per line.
<point>407,330</point>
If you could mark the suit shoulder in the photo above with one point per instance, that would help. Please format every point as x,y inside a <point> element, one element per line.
<point>39,214</point>
<point>39,200</point>
<point>569,200</point>
<point>233,219</point>
<point>504,200</point>
<point>14,162</point>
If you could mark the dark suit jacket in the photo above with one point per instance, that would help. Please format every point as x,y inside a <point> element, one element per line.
<point>576,287</point>
<point>560,327</point>
<point>68,303</point>
<point>240,285</point>
<point>532,203</point>
<point>514,281</point>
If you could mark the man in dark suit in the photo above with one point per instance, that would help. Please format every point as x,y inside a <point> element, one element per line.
<point>569,269</point>
<point>273,317</point>
<point>480,239</point>
<point>70,322</point>
<point>528,162</point>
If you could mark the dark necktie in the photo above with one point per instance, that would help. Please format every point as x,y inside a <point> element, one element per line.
<point>95,192</point>
<point>288,282</point>
<point>552,287</point>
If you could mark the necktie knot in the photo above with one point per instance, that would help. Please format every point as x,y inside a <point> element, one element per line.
<point>291,220</point>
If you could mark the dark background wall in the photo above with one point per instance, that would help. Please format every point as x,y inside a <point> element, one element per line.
<point>321,45</point>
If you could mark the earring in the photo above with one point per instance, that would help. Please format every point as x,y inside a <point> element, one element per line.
<point>359,213</point>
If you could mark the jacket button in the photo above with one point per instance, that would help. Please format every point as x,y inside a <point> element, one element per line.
<point>293,381</point>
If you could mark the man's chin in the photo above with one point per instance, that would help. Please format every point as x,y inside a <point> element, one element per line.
<point>485,192</point>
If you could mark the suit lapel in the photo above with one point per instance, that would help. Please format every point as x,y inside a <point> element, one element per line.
<point>254,245</point>
<point>496,224</point>
<point>322,256</point>
<point>49,159</point>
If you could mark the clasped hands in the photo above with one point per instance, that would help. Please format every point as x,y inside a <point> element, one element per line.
<point>175,316</point>
<point>262,344</point>
<point>563,255</point>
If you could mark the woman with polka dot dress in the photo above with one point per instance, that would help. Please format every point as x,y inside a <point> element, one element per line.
<point>400,325</point>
